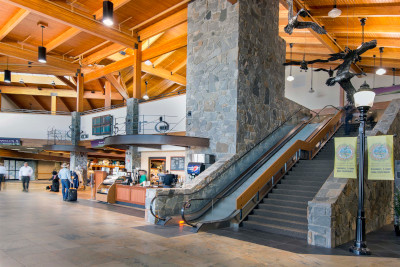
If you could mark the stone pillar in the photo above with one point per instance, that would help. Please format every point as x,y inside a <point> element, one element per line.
<point>77,159</point>
<point>75,128</point>
<point>132,155</point>
<point>235,76</point>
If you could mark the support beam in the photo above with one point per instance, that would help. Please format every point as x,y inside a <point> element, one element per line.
<point>87,101</point>
<point>29,55</point>
<point>13,22</point>
<point>53,105</point>
<point>107,102</point>
<point>103,53</point>
<point>12,100</point>
<point>67,82</point>
<point>137,74</point>
<point>117,85</point>
<point>62,38</point>
<point>357,11</point>
<point>62,101</point>
<point>165,74</point>
<point>38,102</point>
<point>162,58</point>
<point>66,16</point>
<point>79,91</point>
<point>163,25</point>
<point>179,66</point>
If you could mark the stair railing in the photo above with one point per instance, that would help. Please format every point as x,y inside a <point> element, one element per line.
<point>267,180</point>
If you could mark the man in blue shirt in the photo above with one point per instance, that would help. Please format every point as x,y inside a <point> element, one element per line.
<point>65,177</point>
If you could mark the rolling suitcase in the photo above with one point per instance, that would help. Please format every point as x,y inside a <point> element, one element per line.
<point>72,194</point>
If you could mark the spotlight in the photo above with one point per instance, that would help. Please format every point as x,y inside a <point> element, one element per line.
<point>7,76</point>
<point>21,80</point>
<point>108,13</point>
<point>53,83</point>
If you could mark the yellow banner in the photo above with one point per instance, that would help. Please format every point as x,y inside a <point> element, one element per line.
<point>345,157</point>
<point>380,157</point>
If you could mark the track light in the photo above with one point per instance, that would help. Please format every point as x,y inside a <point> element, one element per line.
<point>146,97</point>
<point>42,50</point>
<point>290,78</point>
<point>108,13</point>
<point>21,80</point>
<point>53,83</point>
<point>335,12</point>
<point>381,70</point>
<point>7,74</point>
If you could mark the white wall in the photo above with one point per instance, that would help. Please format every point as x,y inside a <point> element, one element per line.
<point>33,126</point>
<point>297,90</point>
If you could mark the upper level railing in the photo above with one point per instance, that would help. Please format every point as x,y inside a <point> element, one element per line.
<point>30,111</point>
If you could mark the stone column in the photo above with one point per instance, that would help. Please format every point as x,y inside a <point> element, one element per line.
<point>77,159</point>
<point>132,155</point>
<point>75,128</point>
<point>235,76</point>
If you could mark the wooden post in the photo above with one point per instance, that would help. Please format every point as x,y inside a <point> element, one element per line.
<point>0,100</point>
<point>53,103</point>
<point>137,73</point>
<point>79,91</point>
<point>107,102</point>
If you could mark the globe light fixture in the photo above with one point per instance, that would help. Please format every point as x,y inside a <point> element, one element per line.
<point>290,78</point>
<point>364,97</point>
<point>335,12</point>
<point>108,13</point>
<point>381,70</point>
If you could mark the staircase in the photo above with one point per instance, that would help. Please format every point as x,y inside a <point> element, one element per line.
<point>284,210</point>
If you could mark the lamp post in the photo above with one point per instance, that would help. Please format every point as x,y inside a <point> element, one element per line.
<point>364,99</point>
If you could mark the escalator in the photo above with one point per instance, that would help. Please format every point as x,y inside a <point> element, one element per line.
<point>222,209</point>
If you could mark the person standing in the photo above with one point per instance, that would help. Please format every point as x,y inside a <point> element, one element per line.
<point>25,174</point>
<point>65,176</point>
<point>3,173</point>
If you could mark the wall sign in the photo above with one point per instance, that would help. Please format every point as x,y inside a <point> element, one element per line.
<point>102,125</point>
<point>10,141</point>
<point>177,163</point>
<point>97,143</point>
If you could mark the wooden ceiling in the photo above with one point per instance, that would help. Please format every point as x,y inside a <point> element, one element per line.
<point>106,55</point>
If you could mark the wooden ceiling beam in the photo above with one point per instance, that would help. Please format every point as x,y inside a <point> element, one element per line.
<point>179,66</point>
<point>102,54</point>
<point>12,99</point>
<point>20,155</point>
<point>29,55</point>
<point>382,42</point>
<point>165,74</point>
<point>66,16</point>
<point>369,29</point>
<point>162,58</point>
<point>87,102</point>
<point>65,104</point>
<point>37,101</point>
<point>67,82</point>
<point>358,11</point>
<point>12,22</point>
<point>117,85</point>
<point>163,25</point>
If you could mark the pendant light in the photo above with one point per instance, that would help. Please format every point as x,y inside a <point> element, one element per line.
<point>42,50</point>
<point>146,97</point>
<point>335,12</point>
<point>290,78</point>
<point>108,13</point>
<point>381,70</point>
<point>312,78</point>
<point>7,74</point>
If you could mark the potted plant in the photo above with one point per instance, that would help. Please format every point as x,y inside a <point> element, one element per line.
<point>397,211</point>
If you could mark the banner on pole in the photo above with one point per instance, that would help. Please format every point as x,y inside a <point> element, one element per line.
<point>345,157</point>
<point>380,157</point>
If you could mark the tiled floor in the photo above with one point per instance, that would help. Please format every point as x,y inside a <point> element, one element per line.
<point>39,229</point>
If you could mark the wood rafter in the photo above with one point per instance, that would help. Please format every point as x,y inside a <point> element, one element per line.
<point>67,82</point>
<point>62,101</point>
<point>162,58</point>
<point>165,74</point>
<point>13,22</point>
<point>359,11</point>
<point>88,102</point>
<point>117,85</point>
<point>38,102</point>
<point>56,12</point>
<point>179,66</point>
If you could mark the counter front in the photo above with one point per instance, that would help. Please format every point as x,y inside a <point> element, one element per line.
<point>131,194</point>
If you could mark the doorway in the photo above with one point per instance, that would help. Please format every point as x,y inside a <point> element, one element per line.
<point>157,165</point>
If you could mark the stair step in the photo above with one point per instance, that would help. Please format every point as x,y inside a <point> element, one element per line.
<point>284,215</point>
<point>281,222</point>
<point>304,182</point>
<point>268,207</point>
<point>294,192</point>
<point>307,188</point>
<point>308,177</point>
<point>275,229</point>
<point>285,197</point>
<point>286,203</point>
<point>309,172</point>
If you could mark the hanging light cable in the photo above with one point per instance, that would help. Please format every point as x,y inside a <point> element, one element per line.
<point>312,78</point>
<point>42,50</point>
<point>108,13</point>
<point>394,76</point>
<point>373,83</point>
<point>7,74</point>
<point>335,12</point>
<point>290,78</point>
<point>146,97</point>
<point>381,70</point>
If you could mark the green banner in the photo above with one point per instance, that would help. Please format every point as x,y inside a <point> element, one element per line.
<point>345,157</point>
<point>380,157</point>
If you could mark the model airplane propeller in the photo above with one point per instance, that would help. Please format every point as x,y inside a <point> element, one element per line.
<point>294,23</point>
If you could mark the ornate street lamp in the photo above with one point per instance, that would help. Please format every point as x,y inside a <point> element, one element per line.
<point>364,99</point>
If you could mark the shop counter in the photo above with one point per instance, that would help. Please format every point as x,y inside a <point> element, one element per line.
<point>131,194</point>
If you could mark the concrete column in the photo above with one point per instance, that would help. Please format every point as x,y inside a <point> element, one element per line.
<point>132,155</point>
<point>235,76</point>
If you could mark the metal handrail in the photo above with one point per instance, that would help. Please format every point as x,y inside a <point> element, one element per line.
<point>187,204</point>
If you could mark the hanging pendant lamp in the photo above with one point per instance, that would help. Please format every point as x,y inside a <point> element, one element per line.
<point>42,50</point>
<point>146,97</point>
<point>394,76</point>
<point>108,13</point>
<point>381,70</point>
<point>335,12</point>
<point>290,78</point>
<point>7,74</point>
<point>312,78</point>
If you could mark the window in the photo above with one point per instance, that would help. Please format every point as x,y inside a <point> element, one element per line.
<point>102,125</point>
<point>13,166</point>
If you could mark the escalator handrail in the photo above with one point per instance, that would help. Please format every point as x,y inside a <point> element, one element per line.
<point>206,207</point>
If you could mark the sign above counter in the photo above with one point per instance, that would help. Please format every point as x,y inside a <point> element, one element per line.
<point>10,141</point>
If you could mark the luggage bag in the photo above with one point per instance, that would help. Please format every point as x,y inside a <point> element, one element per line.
<point>72,194</point>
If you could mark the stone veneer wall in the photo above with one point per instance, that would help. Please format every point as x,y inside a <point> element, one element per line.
<point>332,213</point>
<point>132,155</point>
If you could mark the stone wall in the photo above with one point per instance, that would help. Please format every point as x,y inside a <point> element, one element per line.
<point>332,213</point>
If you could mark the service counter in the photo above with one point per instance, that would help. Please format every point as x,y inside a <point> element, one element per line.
<point>131,194</point>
